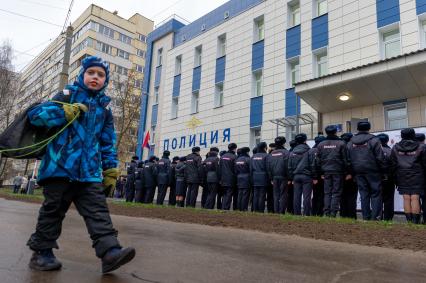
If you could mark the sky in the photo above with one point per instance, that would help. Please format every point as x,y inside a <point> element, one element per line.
<point>30,25</point>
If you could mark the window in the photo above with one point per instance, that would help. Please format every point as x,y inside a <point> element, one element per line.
<point>396,116</point>
<point>218,95</point>
<point>321,7</point>
<point>195,102</point>
<point>106,31</point>
<point>156,95</point>
<point>160,57</point>
<point>140,53</point>
<point>391,43</point>
<point>321,64</point>
<point>294,15</point>
<point>121,70</point>
<point>142,38</point>
<point>259,29</point>
<point>138,83</point>
<point>104,47</point>
<point>257,84</point>
<point>175,107</point>
<point>255,136</point>
<point>139,68</point>
<point>294,72</point>
<point>198,56</point>
<point>123,54</point>
<point>178,65</point>
<point>124,38</point>
<point>221,46</point>
<point>153,128</point>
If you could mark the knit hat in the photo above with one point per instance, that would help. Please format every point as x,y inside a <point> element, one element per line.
<point>196,149</point>
<point>93,61</point>
<point>408,134</point>
<point>363,126</point>
<point>280,141</point>
<point>232,146</point>
<point>300,138</point>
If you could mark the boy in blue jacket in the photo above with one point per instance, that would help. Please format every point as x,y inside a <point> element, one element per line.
<point>78,165</point>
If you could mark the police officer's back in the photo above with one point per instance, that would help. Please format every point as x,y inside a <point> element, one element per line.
<point>242,170</point>
<point>150,179</point>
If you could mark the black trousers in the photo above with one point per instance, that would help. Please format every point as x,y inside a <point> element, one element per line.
<point>139,195</point>
<point>270,198</point>
<point>130,190</point>
<point>348,199</point>
<point>172,194</point>
<point>192,194</point>
<point>333,187</point>
<point>388,194</point>
<point>211,195</point>
<point>243,198</point>
<point>290,196</point>
<point>235,198</point>
<point>219,196</point>
<point>259,195</point>
<point>227,197</point>
<point>370,189</point>
<point>89,199</point>
<point>162,191</point>
<point>280,195</point>
<point>149,194</point>
<point>204,195</point>
<point>318,199</point>
<point>302,186</point>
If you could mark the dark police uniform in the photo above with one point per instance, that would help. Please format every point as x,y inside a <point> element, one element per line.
<point>227,178</point>
<point>193,175</point>
<point>130,183</point>
<point>172,193</point>
<point>139,184</point>
<point>277,171</point>
<point>163,178</point>
<point>149,180</point>
<point>242,170</point>
<point>180,181</point>
<point>211,176</point>
<point>260,180</point>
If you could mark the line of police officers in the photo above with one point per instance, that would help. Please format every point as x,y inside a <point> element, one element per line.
<point>328,176</point>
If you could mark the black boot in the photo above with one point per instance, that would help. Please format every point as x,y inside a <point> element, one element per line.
<point>182,203</point>
<point>416,218</point>
<point>116,257</point>
<point>44,260</point>
<point>409,217</point>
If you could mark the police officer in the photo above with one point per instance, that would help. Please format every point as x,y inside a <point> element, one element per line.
<point>172,194</point>
<point>220,191</point>
<point>130,184</point>
<point>367,163</point>
<point>242,170</point>
<point>180,181</point>
<point>318,188</point>
<point>277,171</point>
<point>193,176</point>
<point>408,159</point>
<point>211,175</point>
<point>227,175</point>
<point>205,187</point>
<point>333,163</point>
<point>302,172</point>
<point>139,185</point>
<point>164,169</point>
<point>290,186</point>
<point>259,177</point>
<point>350,190</point>
<point>388,182</point>
<point>150,179</point>
<point>270,187</point>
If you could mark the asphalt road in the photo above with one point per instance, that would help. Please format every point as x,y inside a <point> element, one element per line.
<point>172,252</point>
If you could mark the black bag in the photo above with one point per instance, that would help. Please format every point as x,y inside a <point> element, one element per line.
<point>21,133</point>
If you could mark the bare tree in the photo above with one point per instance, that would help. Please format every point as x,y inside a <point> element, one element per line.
<point>125,93</point>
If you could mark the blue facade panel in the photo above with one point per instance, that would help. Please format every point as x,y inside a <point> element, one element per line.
<point>290,102</point>
<point>176,86</point>
<point>257,55</point>
<point>293,42</point>
<point>256,111</point>
<point>320,32</point>
<point>157,76</point>
<point>154,114</point>
<point>420,6</point>
<point>387,12</point>
<point>214,18</point>
<point>220,69</point>
<point>196,78</point>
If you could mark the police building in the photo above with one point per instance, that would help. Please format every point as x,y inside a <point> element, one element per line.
<point>254,69</point>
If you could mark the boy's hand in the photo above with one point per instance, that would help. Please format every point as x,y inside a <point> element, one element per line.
<point>110,178</point>
<point>72,110</point>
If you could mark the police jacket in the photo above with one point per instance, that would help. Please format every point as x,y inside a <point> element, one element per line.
<point>258,168</point>
<point>332,156</point>
<point>131,170</point>
<point>242,169</point>
<point>408,164</point>
<point>139,178</point>
<point>180,172</point>
<point>387,151</point>
<point>173,173</point>
<point>366,154</point>
<point>277,164</point>
<point>193,169</point>
<point>163,171</point>
<point>150,175</point>
<point>301,161</point>
<point>211,168</point>
<point>227,169</point>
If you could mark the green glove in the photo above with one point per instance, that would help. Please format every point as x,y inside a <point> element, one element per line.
<point>110,178</point>
<point>72,110</point>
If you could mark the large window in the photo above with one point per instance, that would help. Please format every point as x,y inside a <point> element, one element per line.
<point>195,102</point>
<point>391,43</point>
<point>175,107</point>
<point>321,7</point>
<point>256,136</point>
<point>321,64</point>
<point>124,38</point>
<point>221,46</point>
<point>103,47</point>
<point>294,14</point>
<point>257,83</point>
<point>198,56</point>
<point>294,71</point>
<point>218,95</point>
<point>396,116</point>
<point>259,29</point>
<point>178,65</point>
<point>123,54</point>
<point>106,31</point>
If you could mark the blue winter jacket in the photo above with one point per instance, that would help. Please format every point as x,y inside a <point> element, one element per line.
<point>86,147</point>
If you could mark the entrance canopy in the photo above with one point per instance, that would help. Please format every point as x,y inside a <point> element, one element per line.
<point>386,80</point>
